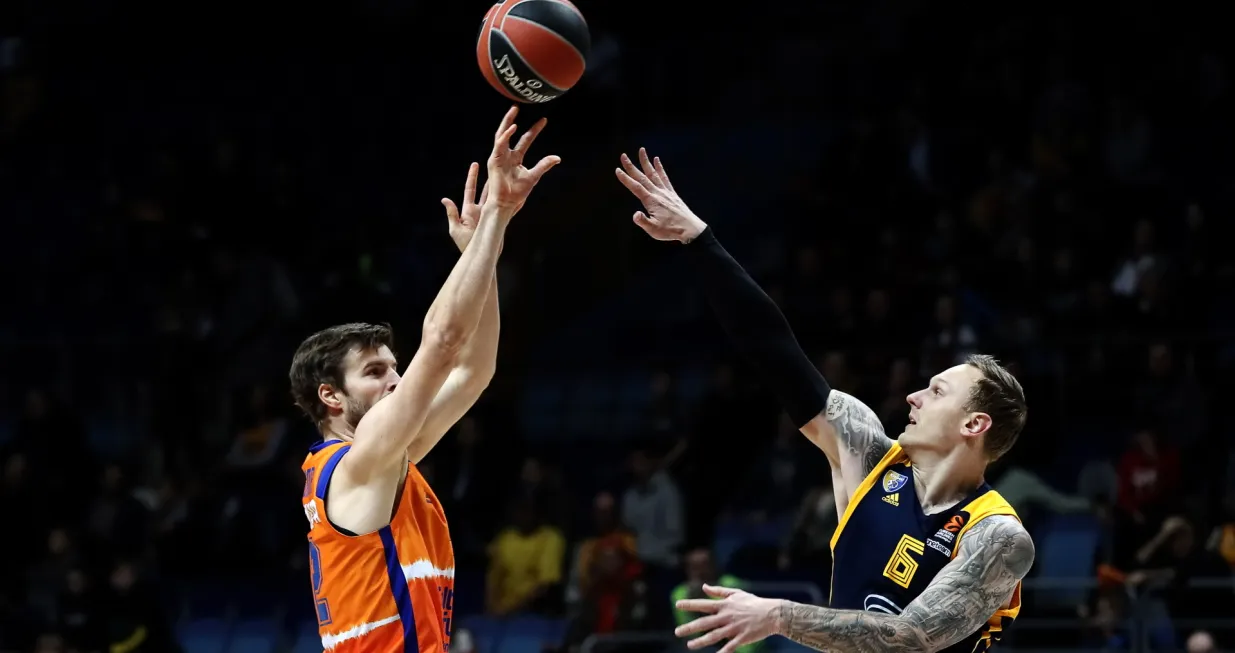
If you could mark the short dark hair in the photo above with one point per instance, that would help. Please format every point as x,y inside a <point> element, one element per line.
<point>319,359</point>
<point>999,395</point>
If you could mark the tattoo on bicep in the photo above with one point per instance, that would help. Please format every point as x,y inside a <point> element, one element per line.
<point>995,554</point>
<point>858,428</point>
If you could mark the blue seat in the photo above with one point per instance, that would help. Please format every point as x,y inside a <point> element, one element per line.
<point>208,601</point>
<point>523,644</point>
<point>542,627</point>
<point>1068,544</point>
<point>203,636</point>
<point>254,636</point>
<point>486,633</point>
<point>307,639</point>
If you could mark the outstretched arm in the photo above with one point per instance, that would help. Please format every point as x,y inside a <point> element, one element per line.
<point>845,429</point>
<point>478,359</point>
<point>467,381</point>
<point>994,556</point>
<point>394,424</point>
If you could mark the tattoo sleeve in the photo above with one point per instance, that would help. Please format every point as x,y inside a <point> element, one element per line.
<point>862,440</point>
<point>995,555</point>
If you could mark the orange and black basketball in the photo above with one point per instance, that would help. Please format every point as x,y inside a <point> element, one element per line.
<point>533,50</point>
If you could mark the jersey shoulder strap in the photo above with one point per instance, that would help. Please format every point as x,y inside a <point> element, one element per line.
<point>984,505</point>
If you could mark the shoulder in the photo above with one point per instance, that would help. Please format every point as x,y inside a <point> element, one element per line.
<point>1000,540</point>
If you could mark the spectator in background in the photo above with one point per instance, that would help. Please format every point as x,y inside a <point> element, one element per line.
<point>1108,628</point>
<point>117,520</point>
<point>260,437</point>
<point>1222,539</point>
<point>469,465</point>
<point>664,413</point>
<point>615,598</point>
<point>951,340</point>
<point>525,565</point>
<point>652,509</point>
<point>50,642</point>
<point>1165,566</point>
<point>537,484</point>
<point>81,613</point>
<point>1200,642</point>
<point>701,570</point>
<point>1148,475</point>
<point>46,577</point>
<point>607,534</point>
<point>136,622</point>
<point>775,487</point>
<point>728,407</point>
<point>808,544</point>
<point>1138,262</point>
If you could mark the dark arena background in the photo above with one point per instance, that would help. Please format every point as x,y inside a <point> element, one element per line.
<point>189,189</point>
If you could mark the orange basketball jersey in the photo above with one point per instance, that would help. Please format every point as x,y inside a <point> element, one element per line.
<point>385,592</point>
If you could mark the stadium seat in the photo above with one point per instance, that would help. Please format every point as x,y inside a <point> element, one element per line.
<point>203,636</point>
<point>307,640</point>
<point>486,633</point>
<point>1066,548</point>
<point>254,636</point>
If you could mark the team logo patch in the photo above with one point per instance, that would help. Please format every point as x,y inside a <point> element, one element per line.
<point>893,481</point>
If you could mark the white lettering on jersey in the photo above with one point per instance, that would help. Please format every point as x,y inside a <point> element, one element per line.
<point>310,513</point>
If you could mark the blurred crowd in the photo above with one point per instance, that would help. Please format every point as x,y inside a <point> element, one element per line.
<point>178,227</point>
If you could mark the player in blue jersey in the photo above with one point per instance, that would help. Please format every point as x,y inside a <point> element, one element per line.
<point>927,557</point>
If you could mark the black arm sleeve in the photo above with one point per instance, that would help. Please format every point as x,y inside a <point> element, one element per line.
<point>757,329</point>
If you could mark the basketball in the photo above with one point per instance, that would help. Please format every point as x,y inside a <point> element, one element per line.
<point>533,50</point>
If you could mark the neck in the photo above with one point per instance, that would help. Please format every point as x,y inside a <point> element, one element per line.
<point>943,481</point>
<point>338,430</point>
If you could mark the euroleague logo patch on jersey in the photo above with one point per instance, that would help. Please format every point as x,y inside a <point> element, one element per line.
<point>948,533</point>
<point>893,481</point>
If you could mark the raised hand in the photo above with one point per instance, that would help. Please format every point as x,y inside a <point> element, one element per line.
<point>462,220</point>
<point>509,181</point>
<point>667,217</point>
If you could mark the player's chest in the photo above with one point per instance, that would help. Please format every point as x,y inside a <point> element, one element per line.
<point>422,521</point>
<point>890,526</point>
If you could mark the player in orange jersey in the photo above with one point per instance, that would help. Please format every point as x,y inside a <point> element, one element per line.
<point>381,561</point>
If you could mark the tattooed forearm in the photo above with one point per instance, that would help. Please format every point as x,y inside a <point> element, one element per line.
<point>858,430</point>
<point>995,555</point>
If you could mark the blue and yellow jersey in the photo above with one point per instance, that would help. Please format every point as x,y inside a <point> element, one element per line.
<point>886,550</point>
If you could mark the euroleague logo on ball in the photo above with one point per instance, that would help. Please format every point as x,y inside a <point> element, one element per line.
<point>533,50</point>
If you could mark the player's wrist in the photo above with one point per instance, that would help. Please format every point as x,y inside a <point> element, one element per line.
<point>777,616</point>
<point>694,227</point>
<point>497,214</point>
